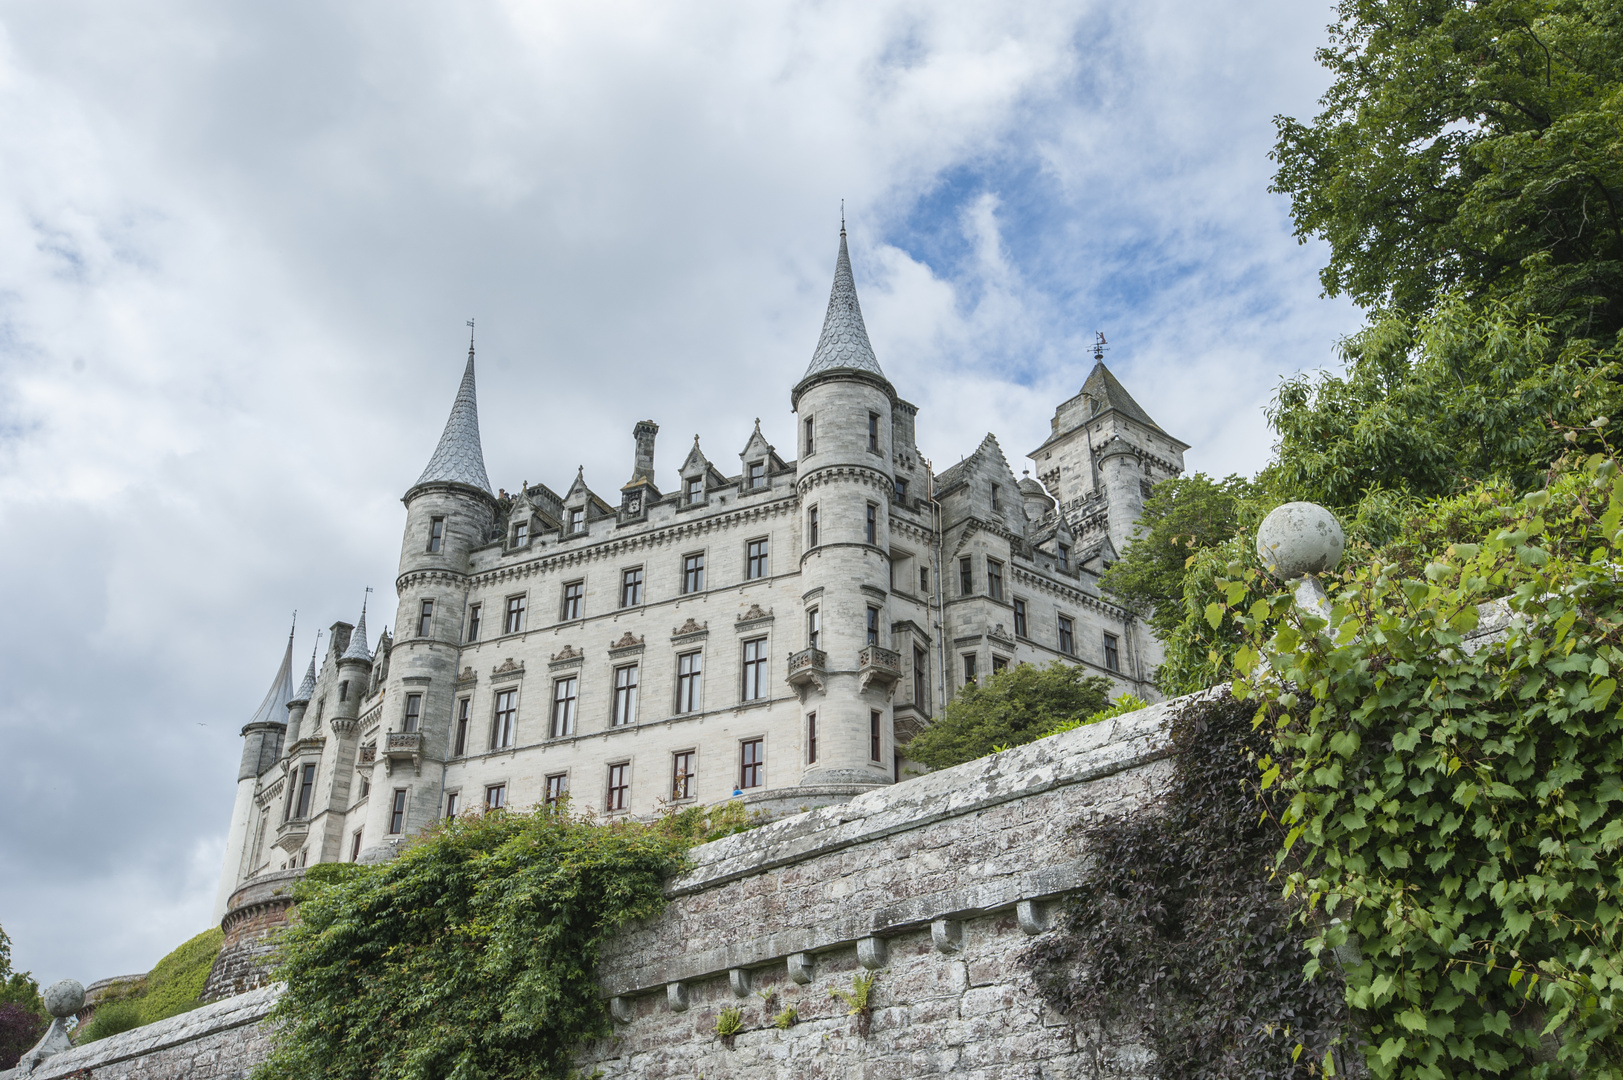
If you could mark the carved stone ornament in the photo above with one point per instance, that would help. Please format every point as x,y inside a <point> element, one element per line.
<point>468,675</point>
<point>507,666</point>
<point>690,627</point>
<point>568,652</point>
<point>754,613</point>
<point>629,641</point>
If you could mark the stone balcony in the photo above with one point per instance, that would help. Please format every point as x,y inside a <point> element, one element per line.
<point>366,756</point>
<point>808,668</point>
<point>400,747</point>
<point>879,665</point>
<point>290,835</point>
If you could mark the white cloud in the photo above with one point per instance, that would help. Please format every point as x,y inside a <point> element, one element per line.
<point>241,241</point>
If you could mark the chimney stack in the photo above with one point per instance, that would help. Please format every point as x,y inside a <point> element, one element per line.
<point>644,467</point>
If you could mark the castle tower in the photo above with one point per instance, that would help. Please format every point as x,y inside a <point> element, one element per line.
<point>1101,460</point>
<point>449,512</point>
<point>845,476</point>
<point>261,746</point>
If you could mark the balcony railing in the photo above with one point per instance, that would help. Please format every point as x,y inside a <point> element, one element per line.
<point>401,747</point>
<point>368,754</point>
<point>808,667</point>
<point>290,834</point>
<point>880,665</point>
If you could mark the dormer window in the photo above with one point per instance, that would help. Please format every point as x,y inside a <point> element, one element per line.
<point>521,534</point>
<point>577,520</point>
<point>757,475</point>
<point>695,491</point>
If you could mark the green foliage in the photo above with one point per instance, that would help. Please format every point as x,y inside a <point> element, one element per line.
<point>1470,144</point>
<point>1011,707</point>
<point>471,955</point>
<point>1455,812</point>
<point>702,824</point>
<point>1178,930</point>
<point>728,1024</point>
<point>17,987</point>
<point>786,1019</point>
<point>1466,396</point>
<point>1182,515</point>
<point>111,1018</point>
<point>1123,705</point>
<point>857,1000</point>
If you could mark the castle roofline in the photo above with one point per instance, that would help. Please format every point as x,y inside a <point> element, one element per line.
<point>273,710</point>
<point>459,458</point>
<point>1108,395</point>
<point>843,347</point>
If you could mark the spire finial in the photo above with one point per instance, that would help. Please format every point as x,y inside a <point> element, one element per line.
<point>842,217</point>
<point>470,337</point>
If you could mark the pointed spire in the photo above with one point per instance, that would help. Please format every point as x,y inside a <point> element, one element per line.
<point>459,458</point>
<point>357,639</point>
<point>308,686</point>
<point>1107,392</point>
<point>274,707</point>
<point>844,344</point>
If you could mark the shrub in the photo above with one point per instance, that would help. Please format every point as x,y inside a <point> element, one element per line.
<point>111,1018</point>
<point>175,985</point>
<point>1008,708</point>
<point>20,1029</point>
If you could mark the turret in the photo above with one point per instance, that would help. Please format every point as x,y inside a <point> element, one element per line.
<point>449,511</point>
<point>261,743</point>
<point>1037,501</point>
<point>845,476</point>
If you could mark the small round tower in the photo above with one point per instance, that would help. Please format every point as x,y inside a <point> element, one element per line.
<point>845,670</point>
<point>449,512</point>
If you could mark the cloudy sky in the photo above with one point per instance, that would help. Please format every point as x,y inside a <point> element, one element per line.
<point>239,243</point>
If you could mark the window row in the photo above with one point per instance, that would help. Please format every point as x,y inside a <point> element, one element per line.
<point>870,523</point>
<point>563,706</point>
<point>514,611</point>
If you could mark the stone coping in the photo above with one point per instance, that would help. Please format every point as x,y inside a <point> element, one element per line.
<point>274,886</point>
<point>235,1012</point>
<point>1072,757</point>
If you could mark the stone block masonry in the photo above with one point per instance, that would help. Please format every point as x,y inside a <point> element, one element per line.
<point>935,885</point>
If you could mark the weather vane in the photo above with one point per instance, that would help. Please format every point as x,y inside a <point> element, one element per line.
<point>1099,346</point>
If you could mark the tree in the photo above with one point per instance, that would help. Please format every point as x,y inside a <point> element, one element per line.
<point>22,1012</point>
<point>1471,145</point>
<point>1182,515</point>
<point>1008,708</point>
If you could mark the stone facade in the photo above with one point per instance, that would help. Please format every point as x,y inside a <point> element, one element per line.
<point>773,632</point>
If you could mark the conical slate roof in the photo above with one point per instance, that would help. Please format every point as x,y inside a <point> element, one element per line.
<point>844,345</point>
<point>274,708</point>
<point>357,640</point>
<point>308,686</point>
<point>459,458</point>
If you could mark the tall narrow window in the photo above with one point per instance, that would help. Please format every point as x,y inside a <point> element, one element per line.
<point>811,738</point>
<point>682,775</point>
<point>557,788</point>
<point>695,490</point>
<point>1064,557</point>
<point>495,797</point>
<point>999,663</point>
<point>966,576</point>
<point>751,761</point>
<point>577,520</point>
<point>414,712</point>
<point>397,812</point>
<point>307,788</point>
<point>343,690</point>
<point>521,534</point>
<point>366,787</point>
<point>757,560</point>
<point>924,580</point>
<point>811,442</point>
<point>873,432</point>
<point>994,579</point>
<point>462,717</point>
<point>515,614</point>
<point>871,526</point>
<point>436,534</point>
<point>425,619</point>
<point>502,731</point>
<point>873,626</point>
<point>969,667</point>
<point>573,592</point>
<point>619,786</point>
<point>1020,618</point>
<point>689,678</point>
<point>1112,653</point>
<point>814,625</point>
<point>757,475</point>
<point>812,533</point>
<point>451,801</point>
<point>755,669</point>
<point>874,743</point>
<point>475,616</point>
<point>997,498</point>
<point>564,699</point>
<point>1067,636</point>
<point>901,491</point>
<point>625,695</point>
<point>693,573</point>
<point>631,588</point>
<point>921,675</point>
<point>355,847</point>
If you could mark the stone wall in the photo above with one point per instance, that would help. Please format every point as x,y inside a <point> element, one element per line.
<point>253,913</point>
<point>936,885</point>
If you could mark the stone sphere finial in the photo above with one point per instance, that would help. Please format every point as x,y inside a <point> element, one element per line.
<point>1300,538</point>
<point>64,998</point>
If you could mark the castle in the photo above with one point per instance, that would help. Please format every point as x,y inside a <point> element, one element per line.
<point>773,632</point>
